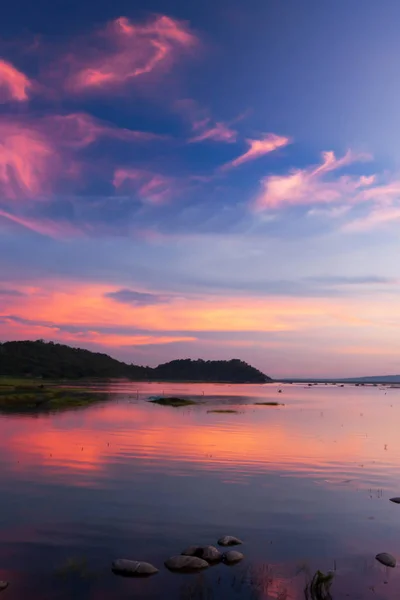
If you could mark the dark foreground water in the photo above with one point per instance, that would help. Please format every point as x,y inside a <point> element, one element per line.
<point>306,485</point>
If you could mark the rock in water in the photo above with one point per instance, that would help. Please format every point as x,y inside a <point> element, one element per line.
<point>191,551</point>
<point>386,559</point>
<point>3,585</point>
<point>229,540</point>
<point>133,568</point>
<point>395,500</point>
<point>185,564</point>
<point>232,557</point>
<point>208,553</point>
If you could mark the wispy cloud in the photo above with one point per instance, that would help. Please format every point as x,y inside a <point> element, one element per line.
<point>46,227</point>
<point>257,148</point>
<point>10,292</point>
<point>35,153</point>
<point>217,132</point>
<point>134,298</point>
<point>14,85</point>
<point>203,126</point>
<point>308,186</point>
<point>125,50</point>
<point>151,187</point>
<point>378,216</point>
<point>28,160</point>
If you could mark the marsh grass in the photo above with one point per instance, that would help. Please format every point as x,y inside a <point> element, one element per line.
<point>31,394</point>
<point>172,401</point>
<point>319,586</point>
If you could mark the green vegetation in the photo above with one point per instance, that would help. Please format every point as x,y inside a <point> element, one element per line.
<point>319,587</point>
<point>176,402</point>
<point>47,360</point>
<point>25,395</point>
<point>223,411</point>
<point>268,404</point>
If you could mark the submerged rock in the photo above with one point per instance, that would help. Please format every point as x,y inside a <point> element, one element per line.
<point>386,559</point>
<point>3,585</point>
<point>208,553</point>
<point>232,557</point>
<point>395,500</point>
<point>191,551</point>
<point>133,568</point>
<point>229,540</point>
<point>185,564</point>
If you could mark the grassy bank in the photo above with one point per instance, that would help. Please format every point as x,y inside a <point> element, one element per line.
<point>32,394</point>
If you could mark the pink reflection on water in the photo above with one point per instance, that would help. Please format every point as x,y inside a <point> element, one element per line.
<point>345,436</point>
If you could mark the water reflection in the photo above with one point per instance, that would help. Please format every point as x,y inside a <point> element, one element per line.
<point>304,483</point>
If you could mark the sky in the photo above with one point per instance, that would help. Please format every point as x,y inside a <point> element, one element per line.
<point>216,180</point>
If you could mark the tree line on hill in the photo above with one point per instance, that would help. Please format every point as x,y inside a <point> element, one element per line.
<point>58,361</point>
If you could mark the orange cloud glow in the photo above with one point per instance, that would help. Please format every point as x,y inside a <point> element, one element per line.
<point>127,50</point>
<point>82,313</point>
<point>14,85</point>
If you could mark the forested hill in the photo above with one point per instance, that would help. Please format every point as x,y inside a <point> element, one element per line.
<point>57,361</point>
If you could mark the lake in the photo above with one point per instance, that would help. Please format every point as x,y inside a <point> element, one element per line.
<point>306,486</point>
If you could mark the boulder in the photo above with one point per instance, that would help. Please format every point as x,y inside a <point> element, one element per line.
<point>232,557</point>
<point>229,540</point>
<point>209,553</point>
<point>3,585</point>
<point>191,551</point>
<point>133,568</point>
<point>386,559</point>
<point>395,500</point>
<point>185,564</point>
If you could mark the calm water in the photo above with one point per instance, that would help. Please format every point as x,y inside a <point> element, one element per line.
<point>306,485</point>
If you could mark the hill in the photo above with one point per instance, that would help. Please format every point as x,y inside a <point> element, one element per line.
<point>57,361</point>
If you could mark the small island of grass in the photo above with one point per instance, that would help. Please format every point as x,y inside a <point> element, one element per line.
<point>268,404</point>
<point>172,401</point>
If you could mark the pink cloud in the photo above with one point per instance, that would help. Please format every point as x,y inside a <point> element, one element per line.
<point>204,128</point>
<point>217,132</point>
<point>268,143</point>
<point>308,186</point>
<point>124,51</point>
<point>80,129</point>
<point>151,187</point>
<point>28,160</point>
<point>378,216</point>
<point>35,154</point>
<point>14,85</point>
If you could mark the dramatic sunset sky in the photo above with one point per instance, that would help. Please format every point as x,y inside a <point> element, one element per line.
<point>209,179</point>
